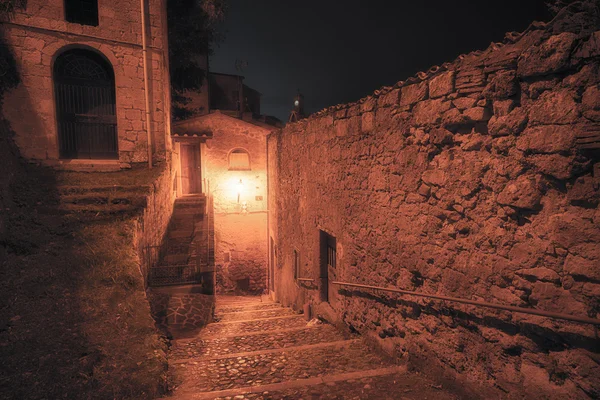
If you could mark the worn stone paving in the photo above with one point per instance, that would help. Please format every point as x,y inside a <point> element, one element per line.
<point>268,352</point>
<point>253,342</point>
<point>261,314</point>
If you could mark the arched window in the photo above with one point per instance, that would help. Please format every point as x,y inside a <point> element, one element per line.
<point>239,160</point>
<point>84,12</point>
<point>84,86</point>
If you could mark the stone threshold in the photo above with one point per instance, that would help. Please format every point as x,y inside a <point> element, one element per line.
<point>338,343</point>
<point>255,333</point>
<point>299,383</point>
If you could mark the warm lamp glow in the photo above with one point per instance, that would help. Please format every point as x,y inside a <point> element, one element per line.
<point>240,189</point>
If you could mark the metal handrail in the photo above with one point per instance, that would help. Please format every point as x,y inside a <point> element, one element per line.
<point>548,314</point>
<point>305,279</point>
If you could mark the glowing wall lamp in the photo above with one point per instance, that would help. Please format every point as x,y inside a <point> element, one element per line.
<point>240,189</point>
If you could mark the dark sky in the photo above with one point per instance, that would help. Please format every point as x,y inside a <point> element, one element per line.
<point>337,51</point>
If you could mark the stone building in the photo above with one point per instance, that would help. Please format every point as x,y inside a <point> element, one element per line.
<point>226,141</point>
<point>232,159</point>
<point>476,180</point>
<point>82,100</point>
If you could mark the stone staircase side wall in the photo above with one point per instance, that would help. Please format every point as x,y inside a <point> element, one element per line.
<point>152,226</point>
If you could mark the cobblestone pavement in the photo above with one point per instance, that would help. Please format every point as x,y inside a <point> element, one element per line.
<point>260,350</point>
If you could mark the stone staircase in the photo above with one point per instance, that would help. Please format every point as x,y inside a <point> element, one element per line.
<point>105,200</point>
<point>257,349</point>
<point>185,247</point>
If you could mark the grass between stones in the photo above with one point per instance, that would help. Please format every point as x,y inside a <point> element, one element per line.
<point>74,319</point>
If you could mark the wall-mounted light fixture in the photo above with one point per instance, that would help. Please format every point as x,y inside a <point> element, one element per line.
<point>240,189</point>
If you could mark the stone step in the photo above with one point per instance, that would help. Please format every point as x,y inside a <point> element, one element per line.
<point>181,233</point>
<point>252,314</point>
<point>274,366</point>
<point>288,337</point>
<point>112,209</point>
<point>182,212</point>
<point>65,190</point>
<point>259,306</point>
<point>381,383</point>
<point>174,259</point>
<point>239,328</point>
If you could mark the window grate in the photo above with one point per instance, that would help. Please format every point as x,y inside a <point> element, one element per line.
<point>84,12</point>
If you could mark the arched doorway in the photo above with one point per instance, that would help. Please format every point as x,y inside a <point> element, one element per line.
<point>84,86</point>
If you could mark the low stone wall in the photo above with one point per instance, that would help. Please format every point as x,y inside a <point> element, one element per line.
<point>151,226</point>
<point>241,252</point>
<point>477,179</point>
<point>181,312</point>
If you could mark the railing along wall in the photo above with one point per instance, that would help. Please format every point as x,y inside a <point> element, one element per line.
<point>522,310</point>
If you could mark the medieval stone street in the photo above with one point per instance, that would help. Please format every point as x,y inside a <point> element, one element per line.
<point>261,350</point>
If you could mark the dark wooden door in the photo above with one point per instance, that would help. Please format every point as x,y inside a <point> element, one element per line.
<point>190,169</point>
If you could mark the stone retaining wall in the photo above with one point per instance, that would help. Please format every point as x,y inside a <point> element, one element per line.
<point>151,226</point>
<point>477,179</point>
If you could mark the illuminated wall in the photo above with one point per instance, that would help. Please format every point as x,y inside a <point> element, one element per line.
<point>240,198</point>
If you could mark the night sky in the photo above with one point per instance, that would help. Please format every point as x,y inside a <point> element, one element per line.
<point>337,51</point>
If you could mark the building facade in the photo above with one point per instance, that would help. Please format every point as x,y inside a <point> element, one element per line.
<point>225,158</point>
<point>82,100</point>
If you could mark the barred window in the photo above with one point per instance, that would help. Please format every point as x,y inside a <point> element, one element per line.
<point>239,160</point>
<point>84,12</point>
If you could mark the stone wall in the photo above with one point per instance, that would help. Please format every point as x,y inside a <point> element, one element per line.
<point>39,33</point>
<point>478,179</point>
<point>151,226</point>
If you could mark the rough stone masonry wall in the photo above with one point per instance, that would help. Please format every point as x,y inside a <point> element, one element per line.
<point>472,180</point>
<point>151,226</point>
<point>37,34</point>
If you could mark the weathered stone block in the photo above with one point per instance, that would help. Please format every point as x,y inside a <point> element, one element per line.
<point>389,99</point>
<point>547,139</point>
<point>441,136</point>
<point>368,121</point>
<point>551,57</point>
<point>502,86</point>
<point>413,93</point>
<point>441,85</point>
<point>590,103</point>
<point>555,165</point>
<point>590,48</point>
<point>539,274</point>
<point>430,112</point>
<point>550,297</point>
<point>585,190</point>
<point>511,124</point>
<point>503,107</point>
<point>369,104</point>
<point>554,107</point>
<point>435,177</point>
<point>462,103</point>
<point>523,193</point>
<point>477,114</point>
<point>582,267</point>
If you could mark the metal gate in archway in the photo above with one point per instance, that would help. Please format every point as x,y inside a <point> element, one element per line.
<point>84,86</point>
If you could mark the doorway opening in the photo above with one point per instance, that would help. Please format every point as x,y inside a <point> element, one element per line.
<point>272,265</point>
<point>191,173</point>
<point>327,261</point>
